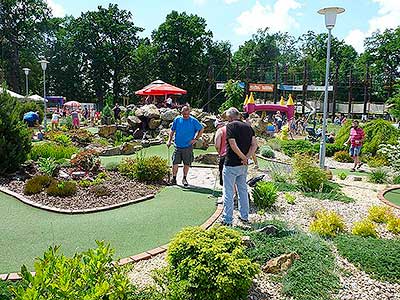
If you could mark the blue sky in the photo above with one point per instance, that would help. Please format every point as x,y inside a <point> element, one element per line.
<point>237,20</point>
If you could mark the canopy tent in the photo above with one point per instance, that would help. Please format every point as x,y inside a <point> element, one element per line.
<point>12,94</point>
<point>36,98</point>
<point>160,88</point>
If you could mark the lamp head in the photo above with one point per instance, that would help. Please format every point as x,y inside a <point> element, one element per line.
<point>26,71</point>
<point>330,14</point>
<point>43,63</point>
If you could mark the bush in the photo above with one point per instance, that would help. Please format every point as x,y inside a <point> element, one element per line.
<point>327,223</point>
<point>309,177</point>
<point>81,136</point>
<point>343,156</point>
<point>364,228</point>
<point>37,184</point>
<point>52,150</point>
<point>62,189</point>
<point>27,106</point>
<point>331,149</point>
<point>342,175</point>
<point>127,167</point>
<point>48,166</point>
<point>377,161</point>
<point>343,134</point>
<point>150,169</point>
<point>266,151</point>
<point>264,194</point>
<point>86,275</point>
<point>290,199</point>
<point>379,214</point>
<point>275,144</point>
<point>207,265</point>
<point>393,225</point>
<point>379,176</point>
<point>15,138</point>
<point>379,132</point>
<point>87,161</point>
<point>291,147</point>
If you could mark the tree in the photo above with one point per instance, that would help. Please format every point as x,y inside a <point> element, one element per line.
<point>234,96</point>
<point>15,138</point>
<point>395,102</point>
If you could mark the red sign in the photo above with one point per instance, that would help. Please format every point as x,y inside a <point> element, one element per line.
<point>261,87</point>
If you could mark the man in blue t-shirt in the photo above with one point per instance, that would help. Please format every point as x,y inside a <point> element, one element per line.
<point>31,118</point>
<point>187,131</point>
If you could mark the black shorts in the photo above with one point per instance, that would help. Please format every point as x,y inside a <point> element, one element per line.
<point>221,168</point>
<point>183,154</point>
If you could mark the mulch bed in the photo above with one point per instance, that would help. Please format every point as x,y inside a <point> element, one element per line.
<point>122,189</point>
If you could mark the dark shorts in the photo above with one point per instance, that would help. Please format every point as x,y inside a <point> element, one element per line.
<point>221,168</point>
<point>355,151</point>
<point>183,154</point>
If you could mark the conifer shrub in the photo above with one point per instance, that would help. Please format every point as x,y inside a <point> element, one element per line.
<point>309,176</point>
<point>37,184</point>
<point>62,189</point>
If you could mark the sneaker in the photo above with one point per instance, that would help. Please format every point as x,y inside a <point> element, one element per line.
<point>353,170</point>
<point>184,182</point>
<point>223,223</point>
<point>173,181</point>
<point>246,221</point>
<point>359,165</point>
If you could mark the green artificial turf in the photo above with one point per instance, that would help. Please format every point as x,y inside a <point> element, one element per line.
<point>311,277</point>
<point>159,150</point>
<point>393,196</point>
<point>348,172</point>
<point>380,258</point>
<point>26,232</point>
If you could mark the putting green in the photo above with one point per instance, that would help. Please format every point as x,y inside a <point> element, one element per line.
<point>393,196</point>
<point>348,172</point>
<point>26,232</point>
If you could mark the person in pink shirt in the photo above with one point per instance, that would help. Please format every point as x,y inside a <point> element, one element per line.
<point>356,140</point>
<point>220,145</point>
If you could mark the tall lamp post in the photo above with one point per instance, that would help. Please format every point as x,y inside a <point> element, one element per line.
<point>44,63</point>
<point>330,14</point>
<point>26,71</point>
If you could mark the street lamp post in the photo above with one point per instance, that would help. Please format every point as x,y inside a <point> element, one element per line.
<point>330,14</point>
<point>44,63</point>
<point>26,71</point>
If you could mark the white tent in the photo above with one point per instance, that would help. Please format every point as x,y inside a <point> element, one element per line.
<point>36,98</point>
<point>12,94</point>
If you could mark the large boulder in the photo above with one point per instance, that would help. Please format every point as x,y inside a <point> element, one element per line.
<point>169,114</point>
<point>149,111</point>
<point>208,122</point>
<point>133,121</point>
<point>107,130</point>
<point>280,263</point>
<point>154,123</point>
<point>207,158</point>
<point>197,113</point>
<point>258,125</point>
<point>202,143</point>
<point>111,151</point>
<point>128,148</point>
<point>164,134</point>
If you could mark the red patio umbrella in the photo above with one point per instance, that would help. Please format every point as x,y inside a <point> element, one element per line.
<point>72,104</point>
<point>160,90</point>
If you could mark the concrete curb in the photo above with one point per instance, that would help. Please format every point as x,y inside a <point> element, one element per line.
<point>382,193</point>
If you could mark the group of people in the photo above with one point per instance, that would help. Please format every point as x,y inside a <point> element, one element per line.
<point>236,144</point>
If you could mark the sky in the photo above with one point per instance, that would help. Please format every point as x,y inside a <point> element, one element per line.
<point>237,20</point>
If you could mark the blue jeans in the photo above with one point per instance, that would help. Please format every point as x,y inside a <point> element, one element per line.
<point>235,175</point>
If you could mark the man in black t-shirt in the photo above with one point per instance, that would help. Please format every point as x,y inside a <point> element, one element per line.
<point>241,145</point>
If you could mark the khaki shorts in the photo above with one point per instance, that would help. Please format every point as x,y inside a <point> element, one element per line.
<point>183,154</point>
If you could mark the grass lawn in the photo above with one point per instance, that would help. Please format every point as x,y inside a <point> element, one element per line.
<point>27,232</point>
<point>347,172</point>
<point>393,196</point>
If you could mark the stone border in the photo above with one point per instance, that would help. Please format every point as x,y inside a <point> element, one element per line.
<point>381,196</point>
<point>70,211</point>
<point>131,259</point>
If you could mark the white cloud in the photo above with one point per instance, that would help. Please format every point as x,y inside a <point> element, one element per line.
<point>199,2</point>
<point>275,17</point>
<point>57,9</point>
<point>388,17</point>
<point>230,1</point>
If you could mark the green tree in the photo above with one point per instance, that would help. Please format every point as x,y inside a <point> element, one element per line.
<point>395,102</point>
<point>234,96</point>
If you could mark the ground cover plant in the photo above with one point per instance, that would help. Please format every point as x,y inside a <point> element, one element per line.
<point>37,184</point>
<point>47,166</point>
<point>380,258</point>
<point>342,156</point>
<point>264,194</point>
<point>312,276</point>
<point>266,151</point>
<point>62,189</point>
<point>379,175</point>
<point>327,223</point>
<point>52,150</point>
<point>365,228</point>
<point>380,213</point>
<point>292,147</point>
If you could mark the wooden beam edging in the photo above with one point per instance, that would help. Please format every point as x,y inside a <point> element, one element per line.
<point>381,196</point>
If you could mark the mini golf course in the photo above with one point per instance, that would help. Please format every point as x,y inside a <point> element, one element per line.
<point>393,196</point>
<point>26,232</point>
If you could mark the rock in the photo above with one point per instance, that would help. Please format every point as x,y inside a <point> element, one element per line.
<point>63,175</point>
<point>357,178</point>
<point>111,151</point>
<point>166,124</point>
<point>139,112</point>
<point>269,230</point>
<point>154,123</point>
<point>202,143</point>
<point>123,128</point>
<point>329,174</point>
<point>78,175</point>
<point>196,112</point>
<point>107,130</point>
<point>155,142</point>
<point>208,123</point>
<point>138,134</point>
<point>246,240</point>
<point>138,148</point>
<point>258,124</point>
<point>164,134</point>
<point>169,114</point>
<point>145,143</point>
<point>207,159</point>
<point>280,263</point>
<point>133,121</point>
<point>128,148</point>
<point>149,111</point>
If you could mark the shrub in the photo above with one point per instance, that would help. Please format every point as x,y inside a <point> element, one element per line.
<point>52,150</point>
<point>331,149</point>
<point>279,176</point>
<point>309,177</point>
<point>364,228</point>
<point>87,161</point>
<point>59,138</point>
<point>15,138</point>
<point>275,144</point>
<point>393,225</point>
<point>396,179</point>
<point>379,214</point>
<point>290,199</point>
<point>264,194</point>
<point>62,189</point>
<point>379,132</point>
<point>342,175</point>
<point>327,223</point>
<point>343,156</point>
<point>27,106</point>
<point>379,176</point>
<point>36,184</point>
<point>343,134</point>
<point>377,161</point>
<point>266,151</point>
<point>291,147</point>
<point>127,167</point>
<point>392,152</point>
<point>81,136</point>
<point>207,265</point>
<point>87,275</point>
<point>150,169</point>
<point>47,166</point>
<point>100,190</point>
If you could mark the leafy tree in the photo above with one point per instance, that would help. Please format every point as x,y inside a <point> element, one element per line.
<point>234,96</point>
<point>395,101</point>
<point>15,138</point>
